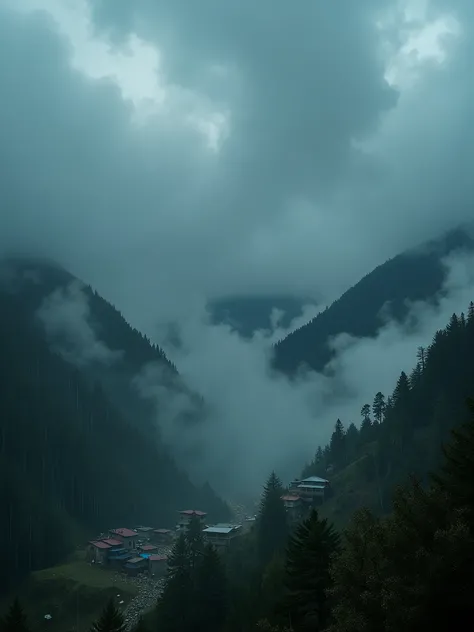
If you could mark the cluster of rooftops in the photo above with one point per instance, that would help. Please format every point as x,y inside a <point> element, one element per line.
<point>121,542</point>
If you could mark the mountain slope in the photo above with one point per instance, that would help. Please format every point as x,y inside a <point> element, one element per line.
<point>365,464</point>
<point>92,334</point>
<point>69,459</point>
<point>412,276</point>
<point>248,314</point>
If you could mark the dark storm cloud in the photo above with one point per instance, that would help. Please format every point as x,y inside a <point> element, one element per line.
<point>325,172</point>
<point>299,85</point>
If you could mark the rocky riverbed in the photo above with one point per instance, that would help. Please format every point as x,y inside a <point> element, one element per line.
<point>149,590</point>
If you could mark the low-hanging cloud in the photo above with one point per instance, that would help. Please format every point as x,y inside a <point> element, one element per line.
<point>257,420</point>
<point>171,153</point>
<point>66,317</point>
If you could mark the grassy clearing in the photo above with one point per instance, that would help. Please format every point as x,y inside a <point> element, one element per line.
<point>73,593</point>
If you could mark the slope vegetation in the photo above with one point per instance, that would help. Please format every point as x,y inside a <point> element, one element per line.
<point>411,276</point>
<point>72,462</point>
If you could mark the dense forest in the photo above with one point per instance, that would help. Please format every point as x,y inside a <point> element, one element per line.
<point>411,276</point>
<point>71,462</point>
<point>391,549</point>
<point>408,568</point>
<point>401,434</point>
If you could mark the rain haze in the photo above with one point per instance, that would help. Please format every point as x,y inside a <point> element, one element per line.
<point>170,154</point>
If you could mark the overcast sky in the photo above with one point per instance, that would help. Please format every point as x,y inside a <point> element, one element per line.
<point>168,152</point>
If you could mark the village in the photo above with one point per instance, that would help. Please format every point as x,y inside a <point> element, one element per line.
<point>145,550</point>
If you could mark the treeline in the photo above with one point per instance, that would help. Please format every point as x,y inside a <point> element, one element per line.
<point>411,570</point>
<point>409,277</point>
<point>402,434</point>
<point>110,620</point>
<point>69,462</point>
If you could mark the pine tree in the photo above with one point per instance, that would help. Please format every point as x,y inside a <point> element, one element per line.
<point>111,620</point>
<point>15,620</point>
<point>307,576</point>
<point>470,313</point>
<point>401,394</point>
<point>456,475</point>
<point>178,559</point>
<point>358,579</point>
<point>211,592</point>
<point>272,528</point>
<point>338,444</point>
<point>319,458</point>
<point>175,608</point>
<point>195,542</point>
<point>365,412</point>
<point>378,407</point>
<point>421,357</point>
<point>352,440</point>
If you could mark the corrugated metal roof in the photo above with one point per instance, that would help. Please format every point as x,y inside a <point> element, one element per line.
<point>135,560</point>
<point>163,531</point>
<point>290,498</point>
<point>157,558</point>
<point>224,530</point>
<point>99,544</point>
<point>193,512</point>
<point>112,542</point>
<point>148,547</point>
<point>314,479</point>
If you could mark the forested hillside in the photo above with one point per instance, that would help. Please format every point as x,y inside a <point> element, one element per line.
<point>45,287</point>
<point>248,314</point>
<point>408,569</point>
<point>69,460</point>
<point>412,276</point>
<point>402,433</point>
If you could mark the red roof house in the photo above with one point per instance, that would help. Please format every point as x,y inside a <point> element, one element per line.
<point>112,541</point>
<point>148,547</point>
<point>97,551</point>
<point>124,533</point>
<point>157,565</point>
<point>127,537</point>
<point>100,544</point>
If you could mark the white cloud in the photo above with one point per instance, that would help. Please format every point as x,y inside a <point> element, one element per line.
<point>271,157</point>
<point>259,421</point>
<point>66,317</point>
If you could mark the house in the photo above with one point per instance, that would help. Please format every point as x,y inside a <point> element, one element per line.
<point>187,515</point>
<point>127,537</point>
<point>293,506</point>
<point>163,536</point>
<point>117,556</point>
<point>144,533</point>
<point>148,548</point>
<point>157,565</point>
<point>221,535</point>
<point>112,542</point>
<point>311,490</point>
<point>97,551</point>
<point>136,565</point>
